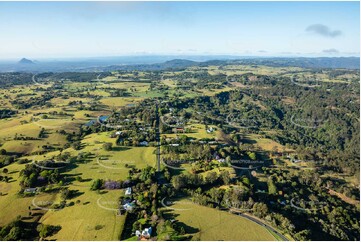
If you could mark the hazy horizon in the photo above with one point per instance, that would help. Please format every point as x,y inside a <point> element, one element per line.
<point>174,56</point>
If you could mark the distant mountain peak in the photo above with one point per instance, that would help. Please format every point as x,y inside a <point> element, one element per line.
<point>25,61</point>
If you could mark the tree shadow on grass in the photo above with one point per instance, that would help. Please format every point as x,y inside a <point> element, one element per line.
<point>249,141</point>
<point>75,193</point>
<point>27,218</point>
<point>120,148</point>
<point>188,229</point>
<point>86,180</point>
<point>170,215</point>
<point>18,154</point>
<point>72,178</point>
<point>36,214</point>
<point>86,160</point>
<point>105,156</point>
<point>130,166</point>
<point>74,175</point>
<point>69,167</point>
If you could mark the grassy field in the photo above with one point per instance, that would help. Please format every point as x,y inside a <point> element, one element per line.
<point>10,203</point>
<point>210,224</point>
<point>94,218</point>
<point>119,101</point>
<point>13,126</point>
<point>112,168</point>
<point>93,215</point>
<point>257,70</point>
<point>198,132</point>
<point>264,143</point>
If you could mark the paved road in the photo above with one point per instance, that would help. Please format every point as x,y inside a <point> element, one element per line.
<point>157,135</point>
<point>263,224</point>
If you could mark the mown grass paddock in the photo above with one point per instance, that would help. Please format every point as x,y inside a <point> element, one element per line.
<point>12,204</point>
<point>92,215</point>
<point>94,218</point>
<point>210,224</point>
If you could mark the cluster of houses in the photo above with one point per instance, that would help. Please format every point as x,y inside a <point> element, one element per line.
<point>144,234</point>
<point>30,190</point>
<point>128,203</point>
<point>283,203</point>
<point>115,134</point>
<point>210,130</point>
<point>128,206</point>
<point>218,158</point>
<point>211,142</point>
<point>143,143</point>
<point>293,160</point>
<point>128,191</point>
<point>178,130</point>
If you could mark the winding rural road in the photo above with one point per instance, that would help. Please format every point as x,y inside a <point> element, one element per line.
<point>263,224</point>
<point>157,134</point>
<point>240,214</point>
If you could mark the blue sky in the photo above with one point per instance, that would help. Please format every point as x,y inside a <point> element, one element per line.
<point>89,29</point>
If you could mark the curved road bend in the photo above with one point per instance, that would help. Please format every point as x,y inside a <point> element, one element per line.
<point>240,214</point>
<point>262,224</point>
